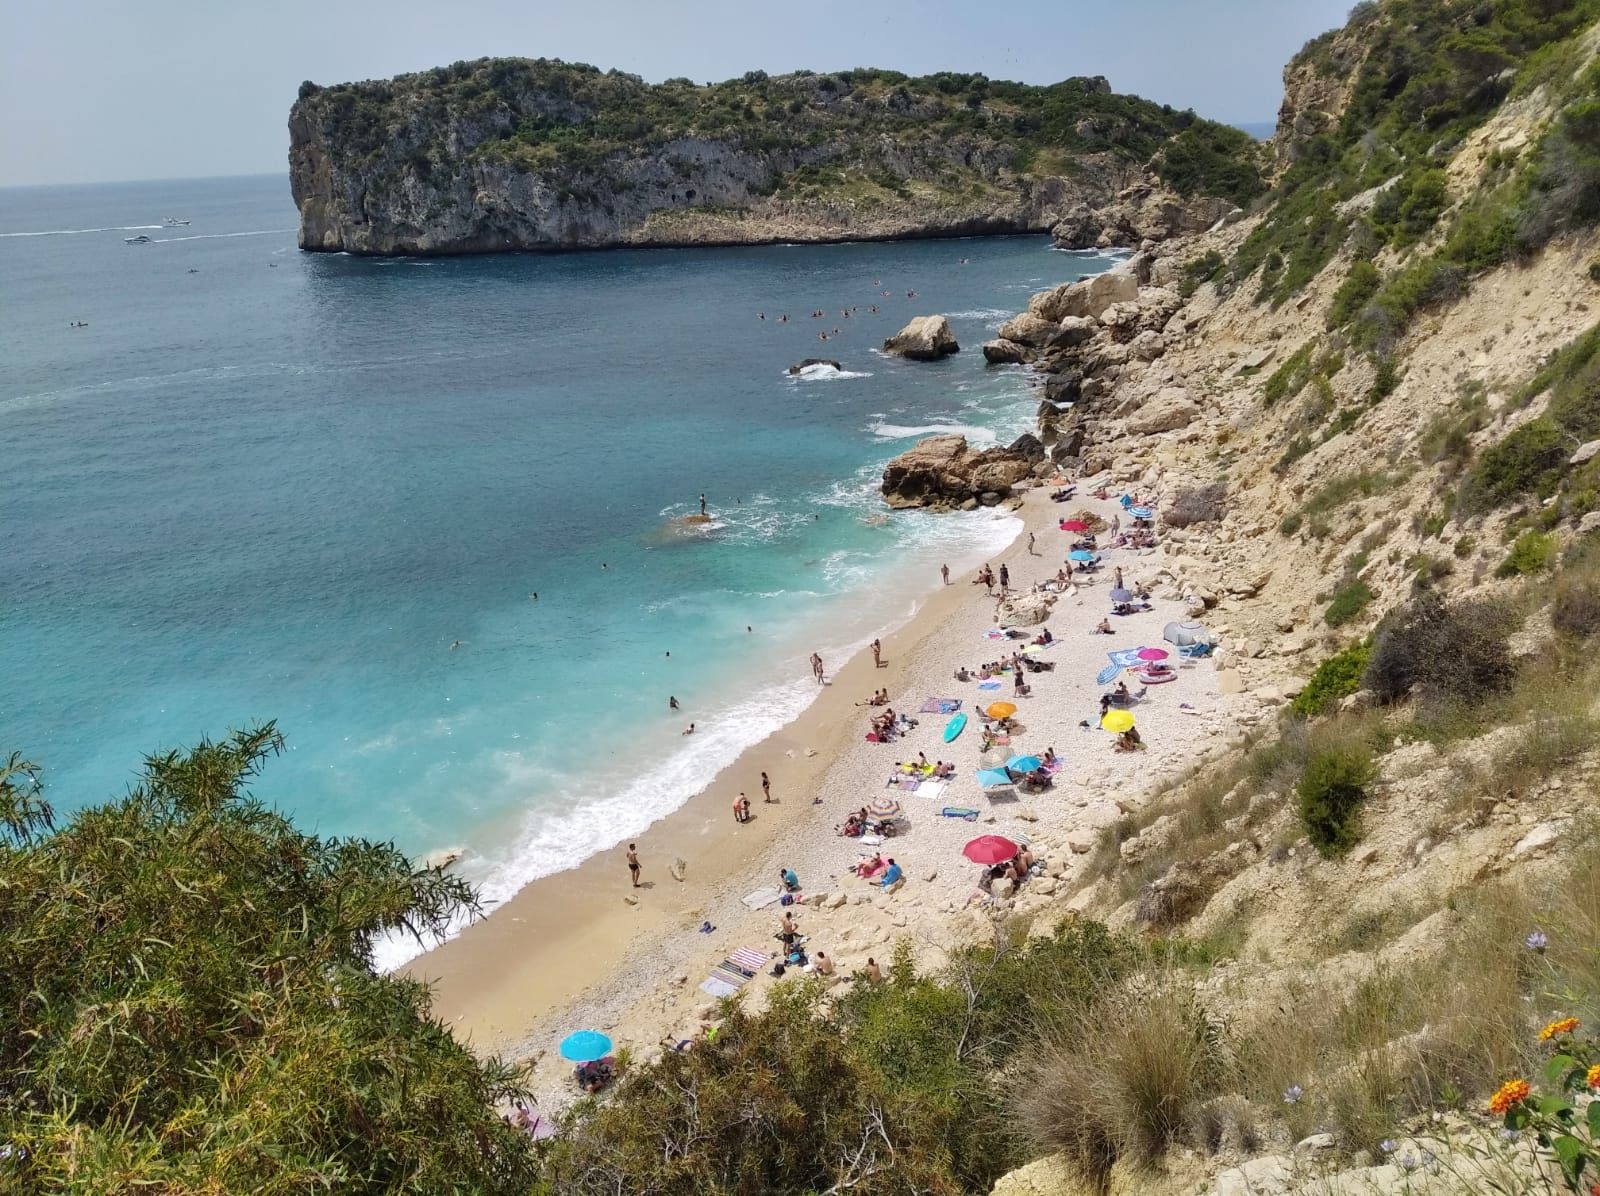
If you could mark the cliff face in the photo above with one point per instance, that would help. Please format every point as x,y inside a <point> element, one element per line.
<point>516,155</point>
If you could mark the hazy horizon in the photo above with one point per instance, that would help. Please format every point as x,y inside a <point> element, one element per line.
<point>175,89</point>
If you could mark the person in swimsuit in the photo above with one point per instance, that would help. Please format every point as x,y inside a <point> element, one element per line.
<point>766,788</point>
<point>633,863</point>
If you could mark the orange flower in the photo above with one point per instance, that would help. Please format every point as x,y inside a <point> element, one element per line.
<point>1511,1094</point>
<point>1565,1026</point>
<point>1593,1077</point>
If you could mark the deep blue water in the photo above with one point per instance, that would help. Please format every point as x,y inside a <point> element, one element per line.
<point>266,484</point>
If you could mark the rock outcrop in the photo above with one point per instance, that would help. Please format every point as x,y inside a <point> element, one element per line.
<point>1143,212</point>
<point>800,367</point>
<point>925,338</point>
<point>942,471</point>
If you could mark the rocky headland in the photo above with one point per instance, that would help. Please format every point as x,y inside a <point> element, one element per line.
<point>518,154</point>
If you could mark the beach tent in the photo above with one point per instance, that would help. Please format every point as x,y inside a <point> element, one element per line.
<point>1118,594</point>
<point>994,778</point>
<point>1184,634</point>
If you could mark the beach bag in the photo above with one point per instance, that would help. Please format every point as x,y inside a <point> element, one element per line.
<point>786,899</point>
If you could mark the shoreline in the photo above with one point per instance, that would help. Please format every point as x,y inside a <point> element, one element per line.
<point>485,979</point>
<point>570,950</point>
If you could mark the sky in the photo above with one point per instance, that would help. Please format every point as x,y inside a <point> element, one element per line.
<point>105,90</point>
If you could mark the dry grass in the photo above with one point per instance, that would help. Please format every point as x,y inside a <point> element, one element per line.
<point>1125,1080</point>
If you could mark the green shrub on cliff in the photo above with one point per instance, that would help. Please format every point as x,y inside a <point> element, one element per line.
<point>190,1004</point>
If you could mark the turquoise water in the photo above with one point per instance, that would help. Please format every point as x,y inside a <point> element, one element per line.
<point>264,484</point>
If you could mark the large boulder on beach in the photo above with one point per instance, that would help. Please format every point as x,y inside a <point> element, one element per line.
<point>1027,609</point>
<point>944,471</point>
<point>925,338</point>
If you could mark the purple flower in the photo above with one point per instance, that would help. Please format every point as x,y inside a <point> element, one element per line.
<point>1387,1146</point>
<point>1508,1135</point>
<point>1536,941</point>
<point>1292,1094</point>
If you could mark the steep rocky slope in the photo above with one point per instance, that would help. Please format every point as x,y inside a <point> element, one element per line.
<point>1369,413</point>
<point>504,154</point>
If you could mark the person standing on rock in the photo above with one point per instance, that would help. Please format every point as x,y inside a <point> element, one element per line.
<point>702,506</point>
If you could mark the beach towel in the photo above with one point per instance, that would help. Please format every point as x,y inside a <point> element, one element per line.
<point>909,784</point>
<point>988,685</point>
<point>1121,658</point>
<point>965,812</point>
<point>940,706</point>
<point>934,789</point>
<point>749,959</point>
<point>994,633</point>
<point>760,899</point>
<point>716,986</point>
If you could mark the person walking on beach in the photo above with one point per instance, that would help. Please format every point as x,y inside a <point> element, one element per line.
<point>766,789</point>
<point>741,808</point>
<point>816,667</point>
<point>944,572</point>
<point>877,654</point>
<point>633,863</point>
<point>1031,552</point>
<point>1005,578</point>
<point>1118,584</point>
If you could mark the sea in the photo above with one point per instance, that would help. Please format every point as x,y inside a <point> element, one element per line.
<point>428,514</point>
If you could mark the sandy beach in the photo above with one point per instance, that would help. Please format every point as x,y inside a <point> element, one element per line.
<point>583,948</point>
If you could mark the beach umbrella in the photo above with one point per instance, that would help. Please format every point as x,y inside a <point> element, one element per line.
<point>1024,763</point>
<point>994,778</point>
<point>1080,555</point>
<point>1184,634</point>
<point>1120,595</point>
<point>1117,721</point>
<point>585,1046</point>
<point>990,849</point>
<point>1000,710</point>
<point>1141,512</point>
<point>884,807</point>
<point>1074,525</point>
<point>1152,653</point>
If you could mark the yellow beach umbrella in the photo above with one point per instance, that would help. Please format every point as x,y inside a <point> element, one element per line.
<point>1117,721</point>
<point>1000,710</point>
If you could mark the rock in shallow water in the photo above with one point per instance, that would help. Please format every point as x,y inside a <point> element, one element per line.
<point>925,338</point>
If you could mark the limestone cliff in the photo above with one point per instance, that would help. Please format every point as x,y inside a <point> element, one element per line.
<point>513,154</point>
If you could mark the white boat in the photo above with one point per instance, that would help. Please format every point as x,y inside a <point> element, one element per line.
<point>173,222</point>
<point>141,239</point>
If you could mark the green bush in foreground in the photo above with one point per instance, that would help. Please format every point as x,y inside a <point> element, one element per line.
<point>189,1003</point>
<point>1337,677</point>
<point>1331,791</point>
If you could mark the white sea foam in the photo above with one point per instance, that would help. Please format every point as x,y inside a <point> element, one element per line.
<point>973,433</point>
<point>74,232</point>
<point>823,372</point>
<point>260,232</point>
<point>982,313</point>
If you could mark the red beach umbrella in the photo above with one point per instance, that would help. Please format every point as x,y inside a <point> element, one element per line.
<point>1074,525</point>
<point>990,849</point>
<point>1152,653</point>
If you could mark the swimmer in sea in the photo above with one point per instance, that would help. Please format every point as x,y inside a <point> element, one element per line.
<point>534,595</point>
<point>672,703</point>
<point>455,645</point>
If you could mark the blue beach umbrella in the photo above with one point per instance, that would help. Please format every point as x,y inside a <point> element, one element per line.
<point>994,778</point>
<point>1080,554</point>
<point>585,1046</point>
<point>1141,512</point>
<point>1120,595</point>
<point>1024,763</point>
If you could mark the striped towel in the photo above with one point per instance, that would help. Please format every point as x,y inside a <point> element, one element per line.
<point>749,960</point>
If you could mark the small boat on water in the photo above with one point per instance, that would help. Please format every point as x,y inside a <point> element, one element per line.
<point>141,239</point>
<point>173,222</point>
